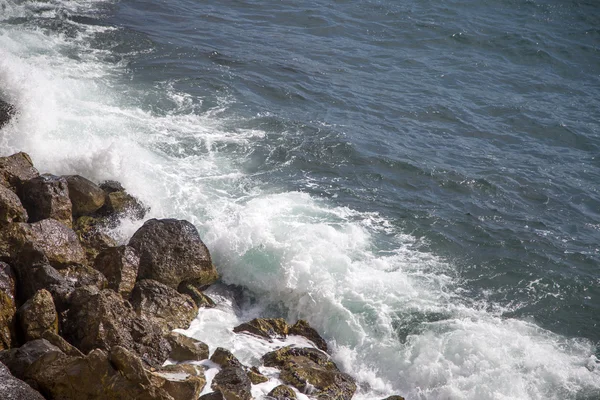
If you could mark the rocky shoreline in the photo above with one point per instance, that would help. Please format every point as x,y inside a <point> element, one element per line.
<point>84,318</point>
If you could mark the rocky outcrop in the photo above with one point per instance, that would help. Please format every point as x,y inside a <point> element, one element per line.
<point>165,306</point>
<point>7,306</point>
<point>120,267</point>
<point>86,197</point>
<point>38,315</point>
<point>265,327</point>
<point>11,209</point>
<point>307,368</point>
<point>16,170</point>
<point>12,388</point>
<point>184,348</point>
<point>282,392</point>
<point>171,252</point>
<point>302,328</point>
<point>101,319</point>
<point>47,196</point>
<point>233,383</point>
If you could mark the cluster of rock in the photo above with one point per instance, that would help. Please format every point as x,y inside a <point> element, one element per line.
<point>82,318</point>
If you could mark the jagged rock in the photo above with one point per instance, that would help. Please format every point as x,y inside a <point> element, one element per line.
<point>302,328</point>
<point>47,196</point>
<point>182,381</point>
<point>83,275</point>
<point>185,348</point>
<point>11,209</point>
<point>167,307</point>
<point>15,170</point>
<point>62,344</point>
<point>18,360</point>
<point>120,266</point>
<point>212,396</point>
<point>102,319</point>
<point>265,327</point>
<point>89,230</point>
<point>233,383</point>
<point>7,111</point>
<point>394,398</point>
<point>306,368</point>
<point>122,203</point>
<point>111,187</point>
<point>201,300</point>
<point>38,315</point>
<point>255,376</point>
<point>225,358</point>
<point>12,388</point>
<point>8,307</point>
<point>129,365</point>
<point>86,197</point>
<point>171,252</point>
<point>282,392</point>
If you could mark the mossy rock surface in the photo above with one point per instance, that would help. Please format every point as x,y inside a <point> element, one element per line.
<point>265,327</point>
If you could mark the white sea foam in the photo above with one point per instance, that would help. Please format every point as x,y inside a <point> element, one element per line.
<point>298,254</point>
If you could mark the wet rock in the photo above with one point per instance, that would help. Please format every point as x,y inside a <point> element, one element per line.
<point>192,290</point>
<point>225,358</point>
<point>47,196</point>
<point>111,187</point>
<point>308,368</point>
<point>255,376</point>
<point>18,360</point>
<point>265,327</point>
<point>83,275</point>
<point>38,315</point>
<point>8,307</point>
<point>185,348</point>
<point>7,111</point>
<point>16,170</point>
<point>11,209</point>
<point>120,266</point>
<point>89,230</point>
<point>171,252</point>
<point>167,307</point>
<point>282,392</point>
<point>121,203</point>
<point>302,328</point>
<point>102,319</point>
<point>181,381</point>
<point>12,388</point>
<point>86,197</point>
<point>233,383</point>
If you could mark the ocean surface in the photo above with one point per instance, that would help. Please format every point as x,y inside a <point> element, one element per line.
<point>418,179</point>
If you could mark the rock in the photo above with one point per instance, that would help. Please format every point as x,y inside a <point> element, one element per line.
<point>225,358</point>
<point>12,388</point>
<point>306,368</point>
<point>7,111</point>
<point>102,319</point>
<point>120,266</point>
<point>20,359</point>
<point>38,315</point>
<point>185,348</point>
<point>121,203</point>
<point>212,396</point>
<point>8,307</point>
<point>255,376</point>
<point>16,170</point>
<point>171,252</point>
<point>394,398</point>
<point>129,365</point>
<point>302,328</point>
<point>86,197</point>
<point>282,392</point>
<point>11,209</point>
<point>89,230</point>
<point>201,300</point>
<point>111,187</point>
<point>233,383</point>
<point>265,327</point>
<point>181,381</point>
<point>62,344</point>
<point>83,275</point>
<point>167,307</point>
<point>47,196</point>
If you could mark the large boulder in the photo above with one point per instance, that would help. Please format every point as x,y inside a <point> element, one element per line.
<point>47,196</point>
<point>19,359</point>
<point>102,319</point>
<point>171,252</point>
<point>225,358</point>
<point>167,307</point>
<point>11,209</point>
<point>184,348</point>
<point>122,203</point>
<point>120,266</point>
<point>12,388</point>
<point>92,236</point>
<point>181,381</point>
<point>38,315</point>
<point>233,383</point>
<point>16,170</point>
<point>86,197</point>
<point>265,327</point>
<point>302,328</point>
<point>7,306</point>
<point>308,368</point>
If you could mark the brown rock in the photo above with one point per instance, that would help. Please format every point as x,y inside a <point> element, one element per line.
<point>122,203</point>
<point>12,388</point>
<point>18,360</point>
<point>302,328</point>
<point>171,252</point>
<point>181,381</point>
<point>265,327</point>
<point>233,383</point>
<point>38,315</point>
<point>86,197</point>
<point>282,392</point>
<point>255,376</point>
<point>167,307</point>
<point>192,290</point>
<point>394,398</point>
<point>47,196</point>
<point>120,266</point>
<point>185,348</point>
<point>129,364</point>
<point>11,209</point>
<point>90,232</point>
<point>111,187</point>
<point>62,344</point>
<point>15,170</point>
<point>7,307</point>
<point>225,358</point>
<point>306,368</point>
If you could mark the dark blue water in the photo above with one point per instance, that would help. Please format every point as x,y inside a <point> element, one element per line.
<point>453,145</point>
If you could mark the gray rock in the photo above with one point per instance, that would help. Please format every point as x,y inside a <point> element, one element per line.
<point>47,196</point>
<point>12,388</point>
<point>18,360</point>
